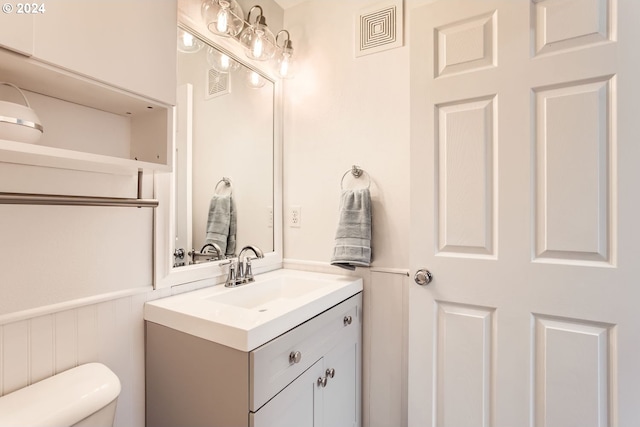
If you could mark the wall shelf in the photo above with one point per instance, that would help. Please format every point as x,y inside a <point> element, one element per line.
<point>35,155</point>
<point>147,124</point>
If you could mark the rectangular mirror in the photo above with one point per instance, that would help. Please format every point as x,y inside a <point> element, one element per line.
<point>230,108</point>
<point>225,173</point>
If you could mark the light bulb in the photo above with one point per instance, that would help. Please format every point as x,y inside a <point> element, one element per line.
<point>225,62</point>
<point>187,40</point>
<point>258,41</point>
<point>222,17</point>
<point>187,43</point>
<point>285,65</point>
<point>223,21</point>
<point>284,61</point>
<point>258,46</point>
<point>255,80</point>
<point>221,62</point>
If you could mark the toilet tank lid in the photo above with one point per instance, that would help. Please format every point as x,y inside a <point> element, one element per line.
<point>61,400</point>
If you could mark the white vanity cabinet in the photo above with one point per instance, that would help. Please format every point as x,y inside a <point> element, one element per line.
<point>326,394</point>
<point>309,376</point>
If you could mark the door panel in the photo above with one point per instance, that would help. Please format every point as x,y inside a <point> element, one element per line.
<point>466,185</point>
<point>524,207</point>
<point>573,145</point>
<point>561,25</point>
<point>295,406</point>
<point>464,356</point>
<point>573,371</point>
<point>340,395</point>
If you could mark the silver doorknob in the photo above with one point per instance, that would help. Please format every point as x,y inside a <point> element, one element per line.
<point>423,277</point>
<point>322,382</point>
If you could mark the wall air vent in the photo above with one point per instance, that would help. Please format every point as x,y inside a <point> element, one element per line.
<point>218,84</point>
<point>379,28</point>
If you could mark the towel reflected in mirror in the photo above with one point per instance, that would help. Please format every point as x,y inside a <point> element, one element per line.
<point>222,223</point>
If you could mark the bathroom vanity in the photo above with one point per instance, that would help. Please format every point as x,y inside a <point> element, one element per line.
<point>283,351</point>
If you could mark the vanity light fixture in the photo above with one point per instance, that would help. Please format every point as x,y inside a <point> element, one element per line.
<point>187,43</point>
<point>284,62</point>
<point>257,38</point>
<point>223,17</point>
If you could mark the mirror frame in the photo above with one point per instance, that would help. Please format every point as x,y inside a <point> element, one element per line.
<point>165,275</point>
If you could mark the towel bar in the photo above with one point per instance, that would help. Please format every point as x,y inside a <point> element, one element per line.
<point>357,172</point>
<point>227,184</point>
<point>55,199</point>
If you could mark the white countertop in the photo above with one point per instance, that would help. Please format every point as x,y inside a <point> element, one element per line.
<point>250,315</point>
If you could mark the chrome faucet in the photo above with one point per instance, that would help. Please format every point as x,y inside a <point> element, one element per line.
<point>218,253</point>
<point>244,262</point>
<point>240,271</point>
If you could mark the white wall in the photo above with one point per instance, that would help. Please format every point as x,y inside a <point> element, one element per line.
<point>340,111</point>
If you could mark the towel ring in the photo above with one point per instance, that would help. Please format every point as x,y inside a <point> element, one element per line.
<point>226,181</point>
<point>357,172</point>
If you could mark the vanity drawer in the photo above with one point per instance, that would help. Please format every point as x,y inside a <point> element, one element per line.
<point>273,366</point>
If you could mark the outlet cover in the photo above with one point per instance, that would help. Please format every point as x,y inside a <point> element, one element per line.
<point>295,216</point>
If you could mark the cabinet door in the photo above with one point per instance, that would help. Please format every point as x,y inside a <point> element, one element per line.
<point>130,44</point>
<point>342,393</point>
<point>16,31</point>
<point>295,406</point>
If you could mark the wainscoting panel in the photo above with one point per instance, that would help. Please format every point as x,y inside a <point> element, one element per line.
<point>385,347</point>
<point>110,332</point>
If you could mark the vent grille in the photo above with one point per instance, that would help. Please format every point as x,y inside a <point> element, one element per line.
<point>217,83</point>
<point>379,29</point>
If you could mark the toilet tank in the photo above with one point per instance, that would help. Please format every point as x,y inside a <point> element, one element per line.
<point>85,393</point>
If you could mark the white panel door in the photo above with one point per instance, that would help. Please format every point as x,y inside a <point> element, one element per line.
<point>524,207</point>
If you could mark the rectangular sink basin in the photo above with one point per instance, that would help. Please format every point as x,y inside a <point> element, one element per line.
<point>248,316</point>
<point>271,293</point>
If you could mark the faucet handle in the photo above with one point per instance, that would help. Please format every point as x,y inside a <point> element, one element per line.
<point>248,274</point>
<point>231,277</point>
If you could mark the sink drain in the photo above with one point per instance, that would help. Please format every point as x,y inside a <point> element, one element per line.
<point>262,310</point>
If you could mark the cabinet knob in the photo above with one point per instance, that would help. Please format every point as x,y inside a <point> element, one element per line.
<point>295,357</point>
<point>322,382</point>
<point>330,373</point>
<point>347,320</point>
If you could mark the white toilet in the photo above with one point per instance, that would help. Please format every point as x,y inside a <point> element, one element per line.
<point>80,397</point>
